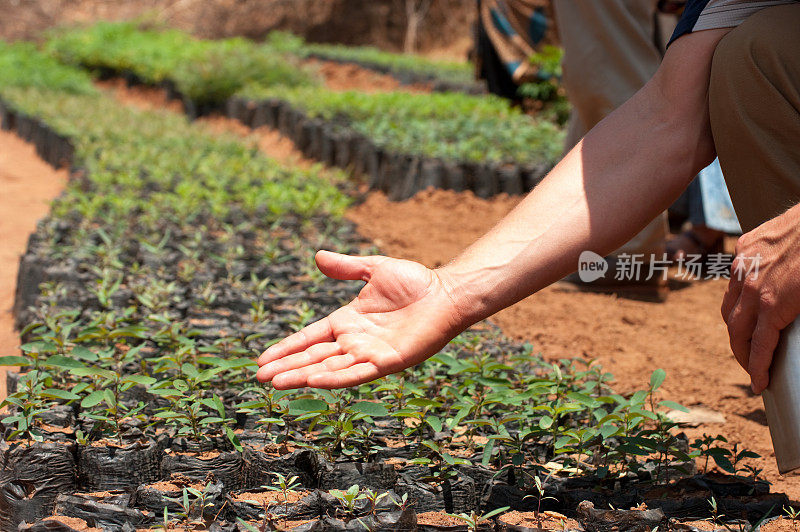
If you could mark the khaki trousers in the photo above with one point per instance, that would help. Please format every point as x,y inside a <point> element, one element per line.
<point>609,54</point>
<point>754,103</point>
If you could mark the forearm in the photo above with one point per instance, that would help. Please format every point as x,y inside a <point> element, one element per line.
<point>629,168</point>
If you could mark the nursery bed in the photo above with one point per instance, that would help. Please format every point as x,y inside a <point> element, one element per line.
<point>137,388</point>
<point>452,141</point>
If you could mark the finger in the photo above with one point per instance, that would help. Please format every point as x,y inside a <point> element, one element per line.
<point>741,323</point>
<point>298,378</point>
<point>352,376</point>
<point>313,355</point>
<point>317,332</point>
<point>762,347</point>
<point>346,267</point>
<point>732,295</point>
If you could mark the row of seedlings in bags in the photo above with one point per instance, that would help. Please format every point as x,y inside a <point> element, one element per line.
<point>402,142</point>
<point>202,73</point>
<point>137,393</point>
<point>398,173</point>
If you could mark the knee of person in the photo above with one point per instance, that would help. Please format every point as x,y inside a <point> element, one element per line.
<point>759,47</point>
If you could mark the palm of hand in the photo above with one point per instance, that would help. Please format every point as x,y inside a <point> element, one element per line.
<point>401,317</point>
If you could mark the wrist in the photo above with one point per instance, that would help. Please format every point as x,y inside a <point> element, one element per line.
<point>463,292</point>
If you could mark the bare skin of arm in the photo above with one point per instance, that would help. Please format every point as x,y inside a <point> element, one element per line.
<point>629,168</point>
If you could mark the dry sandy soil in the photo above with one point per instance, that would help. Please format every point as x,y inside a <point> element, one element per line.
<point>27,186</point>
<point>685,335</point>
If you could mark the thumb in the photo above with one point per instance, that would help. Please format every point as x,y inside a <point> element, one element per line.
<point>346,267</point>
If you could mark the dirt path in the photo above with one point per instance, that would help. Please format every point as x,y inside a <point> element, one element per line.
<point>27,186</point>
<point>350,77</point>
<point>685,335</point>
<point>269,141</point>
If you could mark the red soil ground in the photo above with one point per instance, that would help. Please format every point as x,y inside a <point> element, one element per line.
<point>27,186</point>
<point>344,77</point>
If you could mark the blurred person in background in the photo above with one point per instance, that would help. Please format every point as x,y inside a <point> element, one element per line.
<point>611,49</point>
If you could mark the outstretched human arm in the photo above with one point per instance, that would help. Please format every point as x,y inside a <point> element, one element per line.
<point>629,168</point>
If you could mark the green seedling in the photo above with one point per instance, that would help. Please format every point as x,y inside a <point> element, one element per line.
<point>284,485</point>
<point>705,447</point>
<point>793,515</point>
<point>304,316</point>
<point>103,404</point>
<point>474,519</point>
<point>715,514</point>
<point>442,466</point>
<point>374,498</point>
<point>29,404</point>
<point>349,498</point>
<point>193,505</point>
<point>540,497</point>
<point>270,408</point>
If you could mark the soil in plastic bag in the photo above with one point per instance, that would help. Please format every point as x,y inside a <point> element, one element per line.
<point>58,524</point>
<point>158,495</point>
<point>224,467</point>
<point>260,467</point>
<point>118,468</point>
<point>111,512</point>
<point>31,478</point>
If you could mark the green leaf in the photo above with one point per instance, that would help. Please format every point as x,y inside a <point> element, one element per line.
<point>59,361</point>
<point>133,331</point>
<point>168,415</point>
<point>108,395</point>
<point>166,392</point>
<point>93,399</point>
<point>657,378</point>
<point>83,353</point>
<point>233,439</point>
<point>434,422</point>
<point>722,461</point>
<point>305,406</point>
<point>56,393</point>
<point>673,406</point>
<point>495,512</point>
<point>369,408</point>
<point>190,371</point>
<point>583,399</point>
<point>545,422</point>
<point>144,380</point>
<point>639,397</point>
<point>16,361</point>
<point>487,453</point>
<point>93,372</point>
<point>327,396</point>
<point>421,402</point>
<point>39,347</point>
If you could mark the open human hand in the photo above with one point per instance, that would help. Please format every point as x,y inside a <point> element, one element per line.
<point>403,315</point>
<point>763,295</point>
